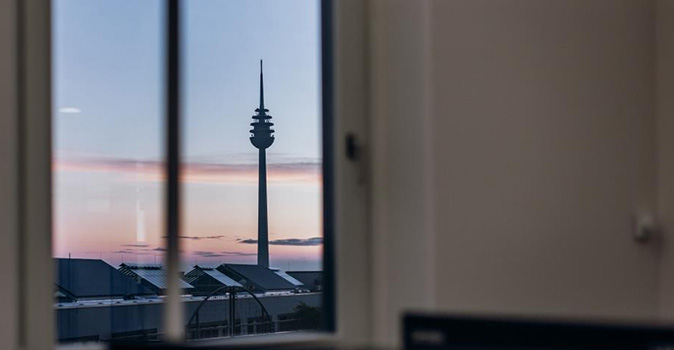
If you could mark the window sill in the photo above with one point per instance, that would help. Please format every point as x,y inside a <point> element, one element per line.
<point>286,340</point>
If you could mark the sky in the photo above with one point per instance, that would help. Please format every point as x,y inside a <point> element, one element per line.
<point>108,130</point>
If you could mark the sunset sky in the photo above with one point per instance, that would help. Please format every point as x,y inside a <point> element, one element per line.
<point>108,124</point>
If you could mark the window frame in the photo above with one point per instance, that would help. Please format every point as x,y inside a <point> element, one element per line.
<point>33,165</point>
<point>34,178</point>
<point>348,24</point>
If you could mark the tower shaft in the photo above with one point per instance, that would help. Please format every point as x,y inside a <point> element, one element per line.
<point>262,224</point>
<point>262,137</point>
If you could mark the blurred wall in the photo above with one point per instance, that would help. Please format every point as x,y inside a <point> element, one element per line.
<point>402,217</point>
<point>546,140</point>
<point>542,132</point>
<point>8,247</point>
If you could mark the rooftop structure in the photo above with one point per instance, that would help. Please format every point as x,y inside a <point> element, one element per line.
<point>81,279</point>
<point>152,276</point>
<point>256,278</point>
<point>206,280</point>
<point>312,280</point>
<point>287,277</point>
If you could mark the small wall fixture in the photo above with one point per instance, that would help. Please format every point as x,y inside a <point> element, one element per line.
<point>646,227</point>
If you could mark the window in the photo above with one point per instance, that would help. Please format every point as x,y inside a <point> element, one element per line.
<point>254,207</point>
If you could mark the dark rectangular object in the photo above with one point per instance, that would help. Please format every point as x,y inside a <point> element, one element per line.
<point>426,332</point>
<point>258,278</point>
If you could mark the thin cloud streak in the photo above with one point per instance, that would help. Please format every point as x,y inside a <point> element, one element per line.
<point>70,110</point>
<point>216,173</point>
<point>204,254</point>
<point>136,245</point>
<point>207,254</point>
<point>239,254</point>
<point>198,238</point>
<point>139,248</point>
<point>314,241</point>
<point>130,251</point>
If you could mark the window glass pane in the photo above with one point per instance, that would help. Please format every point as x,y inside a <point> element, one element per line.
<point>107,167</point>
<point>224,196</point>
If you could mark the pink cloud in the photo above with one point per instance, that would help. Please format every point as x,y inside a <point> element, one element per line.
<point>214,173</point>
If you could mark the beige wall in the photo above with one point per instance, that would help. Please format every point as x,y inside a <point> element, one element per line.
<point>542,133</point>
<point>402,252</point>
<point>665,129</point>
<point>545,141</point>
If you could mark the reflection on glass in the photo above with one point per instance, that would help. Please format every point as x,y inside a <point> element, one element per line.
<point>107,166</point>
<point>252,234</point>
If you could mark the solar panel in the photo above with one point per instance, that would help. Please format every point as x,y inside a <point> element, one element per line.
<point>153,274</point>
<point>259,275</point>
<point>222,278</point>
<point>289,278</point>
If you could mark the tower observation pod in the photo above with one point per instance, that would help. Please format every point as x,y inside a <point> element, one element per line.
<point>262,138</point>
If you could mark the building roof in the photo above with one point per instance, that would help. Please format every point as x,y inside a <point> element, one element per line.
<point>259,275</point>
<point>153,274</point>
<point>93,278</point>
<point>309,278</point>
<point>287,277</point>
<point>200,271</point>
<point>134,266</point>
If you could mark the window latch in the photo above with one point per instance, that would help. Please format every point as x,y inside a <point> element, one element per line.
<point>352,147</point>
